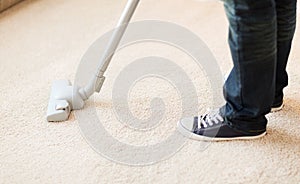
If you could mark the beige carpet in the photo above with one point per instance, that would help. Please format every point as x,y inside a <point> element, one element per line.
<point>4,4</point>
<point>41,41</point>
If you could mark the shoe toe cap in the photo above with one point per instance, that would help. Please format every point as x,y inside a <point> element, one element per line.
<point>187,123</point>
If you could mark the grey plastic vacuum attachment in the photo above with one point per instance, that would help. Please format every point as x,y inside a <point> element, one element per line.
<point>65,97</point>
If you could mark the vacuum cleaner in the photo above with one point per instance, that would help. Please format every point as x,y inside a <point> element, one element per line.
<point>64,97</point>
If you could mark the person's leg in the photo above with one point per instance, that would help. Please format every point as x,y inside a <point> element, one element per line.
<point>250,87</point>
<point>286,24</point>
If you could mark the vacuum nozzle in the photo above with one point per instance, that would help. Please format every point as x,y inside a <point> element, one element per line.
<point>64,97</point>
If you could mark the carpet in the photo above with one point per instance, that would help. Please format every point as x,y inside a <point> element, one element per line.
<point>42,41</point>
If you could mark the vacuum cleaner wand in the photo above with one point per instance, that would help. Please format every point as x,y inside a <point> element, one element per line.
<point>65,97</point>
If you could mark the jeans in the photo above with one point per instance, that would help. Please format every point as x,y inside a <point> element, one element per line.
<point>260,38</point>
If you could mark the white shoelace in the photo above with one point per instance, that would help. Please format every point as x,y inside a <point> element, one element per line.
<point>211,118</point>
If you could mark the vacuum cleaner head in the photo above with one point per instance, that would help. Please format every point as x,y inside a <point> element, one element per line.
<point>64,97</point>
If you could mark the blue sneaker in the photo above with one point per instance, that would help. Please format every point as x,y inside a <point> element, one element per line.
<point>212,127</point>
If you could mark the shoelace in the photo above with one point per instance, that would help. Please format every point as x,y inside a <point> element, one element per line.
<point>210,119</point>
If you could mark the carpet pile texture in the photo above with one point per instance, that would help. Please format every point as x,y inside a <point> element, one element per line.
<point>41,41</point>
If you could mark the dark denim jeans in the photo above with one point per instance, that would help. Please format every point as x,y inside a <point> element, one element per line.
<point>260,37</point>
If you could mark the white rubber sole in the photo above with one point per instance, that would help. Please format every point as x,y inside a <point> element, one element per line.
<point>185,132</point>
<point>276,109</point>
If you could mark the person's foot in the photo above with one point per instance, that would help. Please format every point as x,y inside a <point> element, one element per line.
<point>278,102</point>
<point>277,107</point>
<point>212,127</point>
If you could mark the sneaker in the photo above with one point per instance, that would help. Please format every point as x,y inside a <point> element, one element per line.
<point>277,107</point>
<point>212,127</point>
<point>278,102</point>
